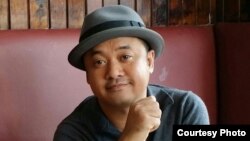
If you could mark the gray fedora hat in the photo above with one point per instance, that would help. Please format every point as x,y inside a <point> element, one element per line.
<point>111,22</point>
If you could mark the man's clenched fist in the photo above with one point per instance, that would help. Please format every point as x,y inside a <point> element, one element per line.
<point>144,117</point>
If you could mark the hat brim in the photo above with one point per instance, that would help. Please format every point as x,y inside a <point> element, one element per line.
<point>152,38</point>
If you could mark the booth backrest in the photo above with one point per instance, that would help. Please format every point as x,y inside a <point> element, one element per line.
<point>38,87</point>
<point>233,53</point>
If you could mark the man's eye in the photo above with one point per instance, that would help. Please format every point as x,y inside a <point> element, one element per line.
<point>126,57</point>
<point>99,62</point>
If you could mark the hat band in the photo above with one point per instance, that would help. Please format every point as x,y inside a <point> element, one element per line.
<point>109,25</point>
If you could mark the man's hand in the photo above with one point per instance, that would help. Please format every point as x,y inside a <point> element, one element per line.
<point>144,117</point>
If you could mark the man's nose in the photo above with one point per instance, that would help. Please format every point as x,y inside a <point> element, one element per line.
<point>114,70</point>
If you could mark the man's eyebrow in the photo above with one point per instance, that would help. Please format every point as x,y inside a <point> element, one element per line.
<point>96,51</point>
<point>123,47</point>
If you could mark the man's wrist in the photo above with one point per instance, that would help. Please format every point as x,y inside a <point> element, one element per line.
<point>134,136</point>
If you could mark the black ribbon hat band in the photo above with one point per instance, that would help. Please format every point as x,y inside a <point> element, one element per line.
<point>109,25</point>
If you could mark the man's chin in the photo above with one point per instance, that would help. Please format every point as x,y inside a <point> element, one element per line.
<point>124,102</point>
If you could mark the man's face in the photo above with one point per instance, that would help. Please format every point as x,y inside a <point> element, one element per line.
<point>118,71</point>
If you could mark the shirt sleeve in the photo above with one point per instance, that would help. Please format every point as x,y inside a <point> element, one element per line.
<point>61,136</point>
<point>194,110</point>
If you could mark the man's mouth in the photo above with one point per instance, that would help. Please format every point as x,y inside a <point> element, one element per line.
<point>117,86</point>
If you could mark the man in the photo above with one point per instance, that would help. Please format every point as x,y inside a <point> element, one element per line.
<point>117,52</point>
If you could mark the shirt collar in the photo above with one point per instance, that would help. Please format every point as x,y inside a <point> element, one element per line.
<point>161,94</point>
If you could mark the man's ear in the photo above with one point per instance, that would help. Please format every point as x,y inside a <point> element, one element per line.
<point>86,73</point>
<point>151,59</point>
<point>87,76</point>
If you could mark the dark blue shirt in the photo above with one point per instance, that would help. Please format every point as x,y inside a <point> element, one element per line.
<point>88,123</point>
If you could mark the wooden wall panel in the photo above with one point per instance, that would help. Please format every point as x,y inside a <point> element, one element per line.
<point>93,4</point>
<point>175,12</point>
<point>39,17</point>
<point>144,9</point>
<point>159,13</point>
<point>189,12</point>
<point>231,10</point>
<point>219,11</point>
<point>212,12</point>
<point>203,11</point>
<point>19,14</point>
<point>110,2</point>
<point>76,13</point>
<point>130,3</point>
<point>245,11</point>
<point>4,24</point>
<point>58,14</point>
